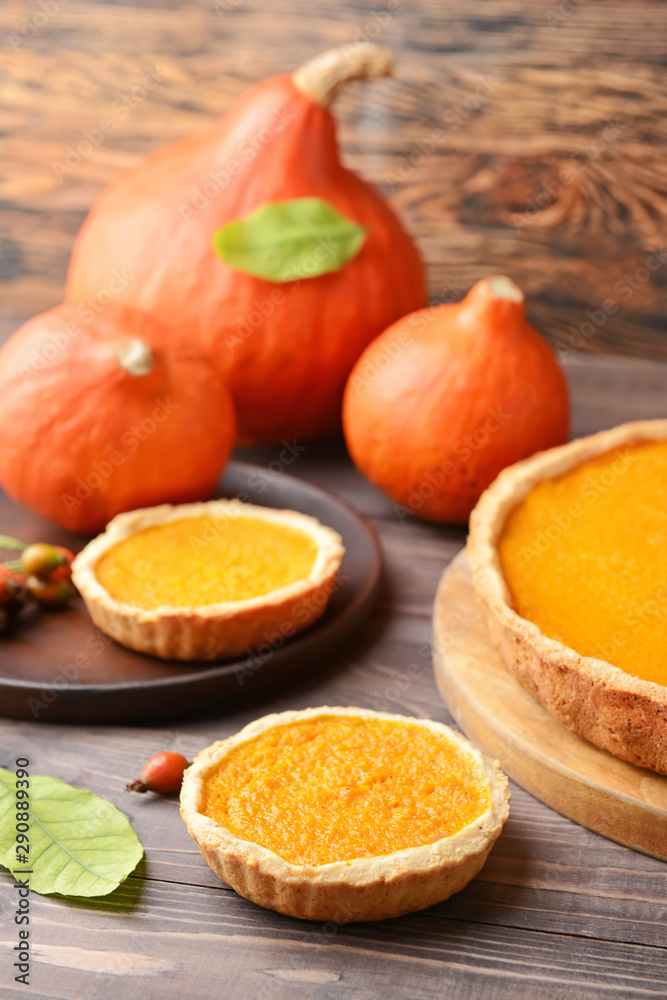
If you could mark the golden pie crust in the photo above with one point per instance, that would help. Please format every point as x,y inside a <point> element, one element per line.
<point>210,631</point>
<point>620,713</point>
<point>342,891</point>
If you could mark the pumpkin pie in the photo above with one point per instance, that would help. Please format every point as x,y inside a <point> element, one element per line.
<point>568,552</point>
<point>344,814</point>
<point>207,580</point>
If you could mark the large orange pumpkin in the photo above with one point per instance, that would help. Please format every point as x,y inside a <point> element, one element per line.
<point>107,414</point>
<point>449,396</point>
<point>286,347</point>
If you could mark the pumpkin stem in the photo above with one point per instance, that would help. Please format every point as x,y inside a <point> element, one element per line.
<point>504,288</point>
<point>494,302</point>
<point>322,77</point>
<point>135,357</point>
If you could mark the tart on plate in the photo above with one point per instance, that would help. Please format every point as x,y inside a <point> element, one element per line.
<point>568,552</point>
<point>344,814</point>
<point>203,581</point>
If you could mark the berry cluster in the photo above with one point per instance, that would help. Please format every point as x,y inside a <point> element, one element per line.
<point>41,575</point>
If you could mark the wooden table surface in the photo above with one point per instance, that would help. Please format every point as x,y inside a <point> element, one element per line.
<point>522,92</point>
<point>557,912</point>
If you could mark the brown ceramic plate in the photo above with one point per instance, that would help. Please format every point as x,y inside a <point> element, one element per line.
<point>60,668</point>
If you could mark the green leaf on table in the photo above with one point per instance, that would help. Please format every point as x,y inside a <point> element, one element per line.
<point>80,844</point>
<point>288,240</point>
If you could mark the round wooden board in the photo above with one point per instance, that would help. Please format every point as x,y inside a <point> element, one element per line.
<point>625,803</point>
<point>62,669</point>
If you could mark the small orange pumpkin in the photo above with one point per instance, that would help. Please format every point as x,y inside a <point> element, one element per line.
<point>286,346</point>
<point>448,396</point>
<point>108,414</point>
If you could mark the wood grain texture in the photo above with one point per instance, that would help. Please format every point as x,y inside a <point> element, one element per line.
<point>207,929</point>
<point>628,804</point>
<point>557,913</point>
<point>526,139</point>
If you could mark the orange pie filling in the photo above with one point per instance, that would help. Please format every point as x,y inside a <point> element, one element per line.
<point>585,558</point>
<point>338,788</point>
<point>205,560</point>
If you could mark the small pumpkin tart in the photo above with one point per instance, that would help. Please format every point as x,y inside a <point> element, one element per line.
<point>568,552</point>
<point>342,814</point>
<point>207,580</point>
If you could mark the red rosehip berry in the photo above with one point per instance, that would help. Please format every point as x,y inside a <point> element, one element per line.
<point>5,587</point>
<point>63,572</point>
<point>50,593</point>
<point>41,560</point>
<point>163,774</point>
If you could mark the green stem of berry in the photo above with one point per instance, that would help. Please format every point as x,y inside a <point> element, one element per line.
<point>6,542</point>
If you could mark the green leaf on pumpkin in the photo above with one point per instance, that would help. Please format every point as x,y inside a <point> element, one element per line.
<point>80,844</point>
<point>289,240</point>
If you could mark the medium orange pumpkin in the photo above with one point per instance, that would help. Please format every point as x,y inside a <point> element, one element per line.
<point>448,396</point>
<point>108,414</point>
<point>286,346</point>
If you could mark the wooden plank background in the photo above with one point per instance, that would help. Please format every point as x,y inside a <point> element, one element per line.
<point>520,138</point>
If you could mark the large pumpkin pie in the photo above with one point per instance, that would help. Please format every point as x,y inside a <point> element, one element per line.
<point>342,814</point>
<point>568,552</point>
<point>207,580</point>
